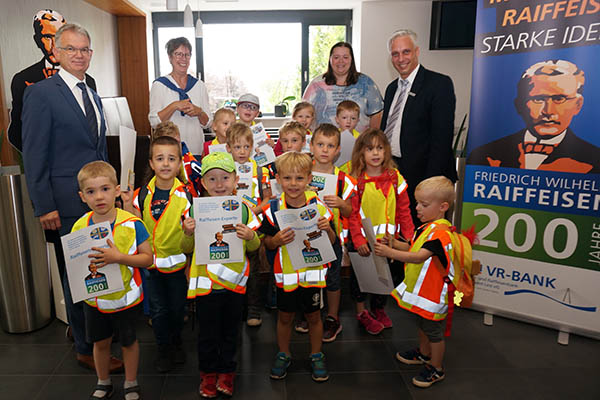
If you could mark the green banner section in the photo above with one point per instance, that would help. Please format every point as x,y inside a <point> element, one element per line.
<point>566,239</point>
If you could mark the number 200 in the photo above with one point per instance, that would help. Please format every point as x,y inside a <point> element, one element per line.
<point>530,233</point>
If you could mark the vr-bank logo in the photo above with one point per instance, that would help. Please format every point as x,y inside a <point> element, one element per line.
<point>99,233</point>
<point>230,205</point>
<point>307,215</point>
<point>531,279</point>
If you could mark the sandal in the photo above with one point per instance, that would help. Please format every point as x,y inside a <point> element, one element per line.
<point>133,389</point>
<point>107,389</point>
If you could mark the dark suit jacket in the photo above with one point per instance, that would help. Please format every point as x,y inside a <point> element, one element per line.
<point>30,75</point>
<point>56,144</point>
<point>572,154</point>
<point>427,127</point>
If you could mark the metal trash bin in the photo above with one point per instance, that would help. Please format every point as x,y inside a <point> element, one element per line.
<point>25,285</point>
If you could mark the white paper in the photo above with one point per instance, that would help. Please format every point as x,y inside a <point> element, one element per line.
<point>306,148</point>
<point>127,138</point>
<point>347,141</point>
<point>323,184</point>
<point>276,189</point>
<point>77,247</point>
<point>369,280</point>
<point>381,263</point>
<point>262,153</point>
<point>215,239</point>
<point>311,246</point>
<point>212,148</point>
<point>244,186</point>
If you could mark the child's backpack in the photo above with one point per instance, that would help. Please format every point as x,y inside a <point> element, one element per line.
<point>465,268</point>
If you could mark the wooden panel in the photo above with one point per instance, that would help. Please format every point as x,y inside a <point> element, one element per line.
<point>120,8</point>
<point>133,62</point>
<point>8,155</point>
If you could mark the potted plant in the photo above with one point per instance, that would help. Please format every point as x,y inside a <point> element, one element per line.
<point>283,107</point>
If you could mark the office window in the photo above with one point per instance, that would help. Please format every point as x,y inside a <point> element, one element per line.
<point>273,54</point>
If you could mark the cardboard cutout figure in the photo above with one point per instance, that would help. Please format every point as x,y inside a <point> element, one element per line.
<point>45,25</point>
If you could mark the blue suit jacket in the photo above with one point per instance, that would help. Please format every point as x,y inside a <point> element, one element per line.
<point>56,144</point>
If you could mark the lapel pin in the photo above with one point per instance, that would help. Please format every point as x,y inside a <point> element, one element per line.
<point>412,94</point>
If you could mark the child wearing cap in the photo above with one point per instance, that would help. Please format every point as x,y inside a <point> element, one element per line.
<point>219,288</point>
<point>248,108</point>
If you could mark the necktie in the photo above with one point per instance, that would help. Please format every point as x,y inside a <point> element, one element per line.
<point>394,115</point>
<point>538,148</point>
<point>90,114</point>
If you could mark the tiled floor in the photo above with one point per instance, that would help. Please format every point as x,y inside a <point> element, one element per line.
<point>509,360</point>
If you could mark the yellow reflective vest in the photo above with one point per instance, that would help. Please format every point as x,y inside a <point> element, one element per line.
<point>231,276</point>
<point>423,290</point>
<point>125,241</point>
<point>166,234</point>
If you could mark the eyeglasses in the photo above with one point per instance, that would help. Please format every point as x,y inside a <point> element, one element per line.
<point>556,99</point>
<point>71,51</point>
<point>249,106</point>
<point>179,54</point>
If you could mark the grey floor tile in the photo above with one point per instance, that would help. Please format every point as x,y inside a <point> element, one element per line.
<point>22,387</point>
<point>31,359</point>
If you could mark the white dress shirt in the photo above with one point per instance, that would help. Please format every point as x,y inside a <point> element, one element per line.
<point>72,82</point>
<point>190,128</point>
<point>395,144</point>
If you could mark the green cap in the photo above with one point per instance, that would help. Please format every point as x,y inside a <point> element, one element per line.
<point>218,159</point>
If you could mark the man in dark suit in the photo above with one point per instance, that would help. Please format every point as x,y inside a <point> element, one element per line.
<point>45,25</point>
<point>418,116</point>
<point>549,96</point>
<point>63,129</point>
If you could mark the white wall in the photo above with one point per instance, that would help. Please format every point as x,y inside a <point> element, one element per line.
<point>378,19</point>
<point>20,51</point>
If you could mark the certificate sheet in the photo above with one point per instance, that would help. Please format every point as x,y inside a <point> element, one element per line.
<point>262,153</point>
<point>368,278</point>
<point>127,146</point>
<point>276,189</point>
<point>217,147</point>
<point>85,279</point>
<point>244,186</point>
<point>215,239</point>
<point>346,144</point>
<point>323,184</point>
<point>311,246</point>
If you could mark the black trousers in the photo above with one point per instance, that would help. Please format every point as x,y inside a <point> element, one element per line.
<point>219,314</point>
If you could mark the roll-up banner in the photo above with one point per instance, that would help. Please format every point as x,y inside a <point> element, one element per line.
<point>532,181</point>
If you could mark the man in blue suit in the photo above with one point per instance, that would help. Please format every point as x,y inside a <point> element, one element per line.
<point>63,129</point>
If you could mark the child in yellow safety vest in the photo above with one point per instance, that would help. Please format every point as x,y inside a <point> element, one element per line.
<point>347,116</point>
<point>253,186</point>
<point>219,288</point>
<point>131,250</point>
<point>382,198</point>
<point>297,290</point>
<point>164,206</point>
<point>429,276</point>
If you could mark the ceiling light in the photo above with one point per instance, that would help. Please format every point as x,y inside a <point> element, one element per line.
<point>172,5</point>
<point>188,17</point>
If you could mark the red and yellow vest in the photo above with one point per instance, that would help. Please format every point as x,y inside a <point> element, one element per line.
<point>423,290</point>
<point>348,189</point>
<point>231,276</point>
<point>125,241</point>
<point>166,234</point>
<point>285,275</point>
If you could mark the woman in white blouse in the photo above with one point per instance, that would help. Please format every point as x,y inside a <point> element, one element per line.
<point>181,98</point>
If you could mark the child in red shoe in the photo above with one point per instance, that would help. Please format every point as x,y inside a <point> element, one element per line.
<point>382,198</point>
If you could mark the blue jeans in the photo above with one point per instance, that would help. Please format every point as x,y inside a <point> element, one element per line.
<point>167,294</point>
<point>74,311</point>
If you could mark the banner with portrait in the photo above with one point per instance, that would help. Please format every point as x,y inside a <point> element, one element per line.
<point>532,181</point>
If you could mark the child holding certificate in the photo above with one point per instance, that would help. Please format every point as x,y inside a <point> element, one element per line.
<point>253,185</point>
<point>382,198</point>
<point>292,137</point>
<point>304,113</point>
<point>219,288</point>
<point>347,116</point>
<point>164,206</point>
<point>297,290</point>
<point>114,312</point>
